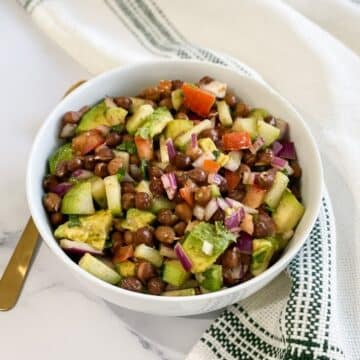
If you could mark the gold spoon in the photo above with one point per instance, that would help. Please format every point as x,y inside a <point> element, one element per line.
<point>14,276</point>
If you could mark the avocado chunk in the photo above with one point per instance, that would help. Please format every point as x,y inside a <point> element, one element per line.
<point>182,292</point>
<point>113,194</point>
<point>182,140</point>
<point>136,219</point>
<point>216,235</point>
<point>178,126</point>
<point>211,279</point>
<point>136,103</point>
<point>138,118</point>
<point>263,250</point>
<point>174,273</point>
<point>273,196</point>
<point>224,113</point>
<point>100,115</point>
<point>63,153</point>
<point>97,268</point>
<point>288,213</point>
<point>92,229</point>
<point>78,200</point>
<point>177,98</point>
<point>155,123</point>
<point>246,124</point>
<point>126,268</point>
<point>268,132</point>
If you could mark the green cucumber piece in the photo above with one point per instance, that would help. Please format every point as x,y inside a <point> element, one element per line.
<point>98,191</point>
<point>183,292</point>
<point>113,194</point>
<point>115,116</point>
<point>149,254</point>
<point>273,196</point>
<point>215,191</point>
<point>78,200</point>
<point>174,273</point>
<point>177,98</point>
<point>138,118</point>
<point>97,268</point>
<point>224,113</point>
<point>246,124</point>
<point>211,279</point>
<point>176,127</point>
<point>155,123</point>
<point>182,140</point>
<point>160,203</point>
<point>288,213</point>
<point>259,114</point>
<point>63,153</point>
<point>268,132</point>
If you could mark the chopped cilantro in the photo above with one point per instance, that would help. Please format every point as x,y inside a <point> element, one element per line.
<point>216,153</point>
<point>117,128</point>
<point>144,168</point>
<point>269,209</point>
<point>120,174</point>
<point>74,221</point>
<point>128,146</point>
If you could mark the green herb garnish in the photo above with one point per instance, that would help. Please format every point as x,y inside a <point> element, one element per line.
<point>128,146</point>
<point>216,153</point>
<point>143,169</point>
<point>120,174</point>
<point>269,209</point>
<point>118,128</point>
<point>74,220</point>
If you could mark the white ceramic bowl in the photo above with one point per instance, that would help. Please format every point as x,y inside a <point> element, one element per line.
<point>129,80</point>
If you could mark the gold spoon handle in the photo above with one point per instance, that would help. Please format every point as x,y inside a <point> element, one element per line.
<point>15,272</point>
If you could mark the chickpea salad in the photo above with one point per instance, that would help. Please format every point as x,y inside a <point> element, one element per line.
<point>181,190</point>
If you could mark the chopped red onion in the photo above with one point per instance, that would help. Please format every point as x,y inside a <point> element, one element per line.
<point>211,208</point>
<point>287,151</point>
<point>170,148</point>
<point>82,174</point>
<point>276,148</point>
<point>216,87</point>
<point>258,143</point>
<point>170,184</point>
<point>182,256</point>
<point>244,243</point>
<point>284,128</point>
<point>199,212</point>
<point>238,204</point>
<point>214,178</point>
<point>278,163</point>
<point>67,131</point>
<point>194,143</point>
<point>222,203</point>
<point>199,162</point>
<point>248,178</point>
<point>78,248</point>
<point>167,251</point>
<point>62,188</point>
<point>233,221</point>
<point>234,160</point>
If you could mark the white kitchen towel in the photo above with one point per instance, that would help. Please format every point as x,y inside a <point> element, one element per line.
<point>309,52</point>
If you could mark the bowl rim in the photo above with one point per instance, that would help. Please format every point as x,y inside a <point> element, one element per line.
<point>41,224</point>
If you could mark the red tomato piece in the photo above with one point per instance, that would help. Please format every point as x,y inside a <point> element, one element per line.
<point>197,100</point>
<point>211,166</point>
<point>87,141</point>
<point>232,178</point>
<point>123,253</point>
<point>236,140</point>
<point>187,195</point>
<point>144,148</point>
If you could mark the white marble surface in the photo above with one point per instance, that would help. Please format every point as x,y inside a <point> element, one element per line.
<point>54,318</point>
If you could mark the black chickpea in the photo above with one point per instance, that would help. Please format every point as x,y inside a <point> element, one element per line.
<point>145,271</point>
<point>132,284</point>
<point>57,218</point>
<point>101,169</point>
<point>74,164</point>
<point>128,237</point>
<point>142,201</point>
<point>156,187</point>
<point>89,162</point>
<point>231,258</point>
<point>123,101</point>
<point>166,217</point>
<point>198,175</point>
<point>156,286</point>
<point>183,211</point>
<point>143,235</point>
<point>182,161</point>
<point>165,234</point>
<point>127,187</point>
<point>202,195</point>
<point>113,139</point>
<point>52,202</point>
<point>179,228</point>
<point>128,200</point>
<point>50,182</point>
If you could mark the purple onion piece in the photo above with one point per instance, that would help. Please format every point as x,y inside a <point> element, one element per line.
<point>62,188</point>
<point>222,204</point>
<point>194,142</point>
<point>284,128</point>
<point>214,178</point>
<point>211,208</point>
<point>259,142</point>
<point>287,151</point>
<point>276,148</point>
<point>182,256</point>
<point>170,148</point>
<point>78,248</point>
<point>233,221</point>
<point>278,163</point>
<point>82,174</point>
<point>244,243</point>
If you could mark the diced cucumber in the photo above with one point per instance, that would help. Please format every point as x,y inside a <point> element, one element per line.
<point>215,191</point>
<point>138,118</point>
<point>155,123</point>
<point>268,132</point>
<point>115,116</point>
<point>207,145</point>
<point>126,268</point>
<point>136,219</point>
<point>78,200</point>
<point>224,113</point>
<point>177,127</point>
<point>211,279</point>
<point>144,186</point>
<point>63,153</point>
<point>288,213</point>
<point>177,98</point>
<point>174,273</point>
<point>98,191</point>
<point>263,250</point>
<point>246,124</point>
<point>183,292</point>
<point>259,114</point>
<point>273,196</point>
<point>124,156</point>
<point>182,140</point>
<point>149,254</point>
<point>113,194</point>
<point>97,268</point>
<point>160,203</point>
<point>136,103</point>
<point>164,155</point>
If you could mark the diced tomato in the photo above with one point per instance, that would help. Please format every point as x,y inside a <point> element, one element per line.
<point>144,148</point>
<point>254,196</point>
<point>123,253</point>
<point>211,166</point>
<point>247,224</point>
<point>197,100</point>
<point>187,195</point>
<point>87,141</point>
<point>232,178</point>
<point>236,140</point>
